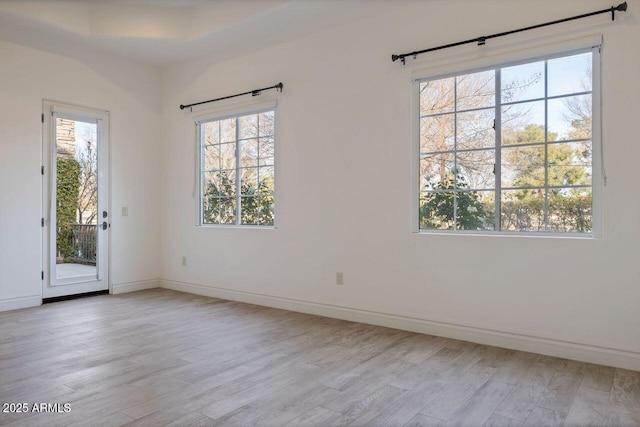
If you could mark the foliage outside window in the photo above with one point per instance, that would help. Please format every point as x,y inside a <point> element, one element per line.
<point>237,170</point>
<point>68,171</point>
<point>508,149</point>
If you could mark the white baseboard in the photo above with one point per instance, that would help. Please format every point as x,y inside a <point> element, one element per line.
<point>17,303</point>
<point>551,347</point>
<point>121,288</point>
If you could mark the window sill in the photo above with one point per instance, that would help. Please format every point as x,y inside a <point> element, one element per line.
<point>541,235</point>
<point>238,227</point>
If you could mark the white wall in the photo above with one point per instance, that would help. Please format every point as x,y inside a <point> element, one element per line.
<point>131,94</point>
<point>344,190</point>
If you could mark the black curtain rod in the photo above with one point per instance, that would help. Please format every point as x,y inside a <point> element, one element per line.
<point>254,92</point>
<point>622,7</point>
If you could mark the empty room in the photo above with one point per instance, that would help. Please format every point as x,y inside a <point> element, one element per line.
<point>319,213</point>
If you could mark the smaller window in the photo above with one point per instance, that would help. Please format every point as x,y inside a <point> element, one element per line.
<point>237,170</point>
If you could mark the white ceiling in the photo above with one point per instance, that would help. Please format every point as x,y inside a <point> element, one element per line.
<point>165,32</point>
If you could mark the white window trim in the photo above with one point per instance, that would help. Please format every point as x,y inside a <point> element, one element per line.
<point>593,43</point>
<point>222,114</point>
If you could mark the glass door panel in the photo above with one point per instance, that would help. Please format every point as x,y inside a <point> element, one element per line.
<point>76,200</point>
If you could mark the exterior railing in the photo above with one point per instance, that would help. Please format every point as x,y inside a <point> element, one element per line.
<point>84,243</point>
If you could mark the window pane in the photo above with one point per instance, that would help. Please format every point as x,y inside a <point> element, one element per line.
<point>571,74</point>
<point>570,164</point>
<point>248,153</point>
<point>436,171</point>
<point>211,157</point>
<point>266,210</point>
<point>522,82</point>
<point>523,123</point>
<point>522,210</point>
<point>211,132</point>
<point>249,210</point>
<point>211,184</point>
<point>266,123</point>
<point>266,147</point>
<point>570,118</point>
<point>267,161</point>
<point>228,156</point>
<point>436,211</point>
<point>227,182</point>
<point>266,177</point>
<point>218,210</point>
<point>523,166</point>
<point>228,130</point>
<point>248,126</point>
<point>248,181</point>
<point>437,133</point>
<point>437,96</point>
<point>475,169</point>
<point>227,210</point>
<point>476,90</point>
<point>475,129</point>
<point>475,210</point>
<point>211,210</point>
<point>570,210</point>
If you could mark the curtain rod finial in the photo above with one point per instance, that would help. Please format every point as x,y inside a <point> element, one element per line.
<point>622,7</point>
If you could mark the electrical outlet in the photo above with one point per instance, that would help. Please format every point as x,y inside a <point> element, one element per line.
<point>339,278</point>
<point>184,261</point>
<point>125,211</point>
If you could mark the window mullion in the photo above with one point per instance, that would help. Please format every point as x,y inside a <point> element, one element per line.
<point>455,153</point>
<point>219,169</point>
<point>200,188</point>
<point>256,196</point>
<point>546,146</point>
<point>498,140</point>
<point>238,178</point>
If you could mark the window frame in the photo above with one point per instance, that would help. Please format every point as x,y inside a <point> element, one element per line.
<point>592,45</point>
<point>199,163</point>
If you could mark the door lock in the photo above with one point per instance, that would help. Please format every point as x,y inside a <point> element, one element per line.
<point>104,214</point>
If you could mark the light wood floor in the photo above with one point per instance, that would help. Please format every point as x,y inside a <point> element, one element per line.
<point>160,357</point>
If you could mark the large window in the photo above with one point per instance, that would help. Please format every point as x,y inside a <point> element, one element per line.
<point>237,170</point>
<point>509,148</point>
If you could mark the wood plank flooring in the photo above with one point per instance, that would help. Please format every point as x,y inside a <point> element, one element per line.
<point>158,357</point>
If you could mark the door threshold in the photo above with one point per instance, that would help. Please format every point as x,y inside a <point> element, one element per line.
<point>75,296</point>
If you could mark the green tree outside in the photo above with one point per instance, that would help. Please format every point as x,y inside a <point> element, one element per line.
<point>257,202</point>
<point>68,186</point>
<point>437,209</point>
<point>568,163</point>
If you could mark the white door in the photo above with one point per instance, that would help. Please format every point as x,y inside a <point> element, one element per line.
<point>76,200</point>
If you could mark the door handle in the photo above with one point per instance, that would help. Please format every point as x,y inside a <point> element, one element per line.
<point>104,225</point>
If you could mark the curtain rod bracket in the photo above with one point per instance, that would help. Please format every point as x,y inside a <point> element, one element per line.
<point>482,41</point>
